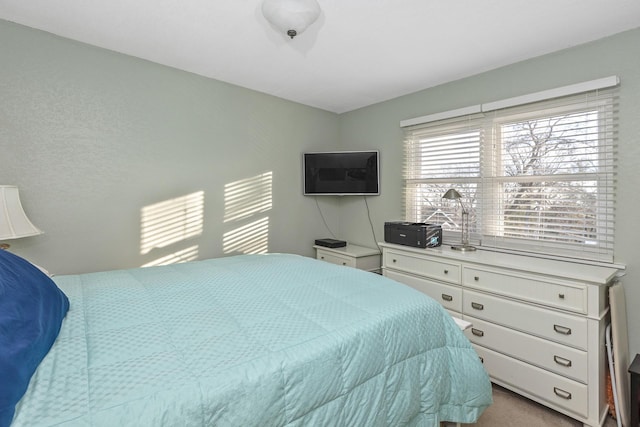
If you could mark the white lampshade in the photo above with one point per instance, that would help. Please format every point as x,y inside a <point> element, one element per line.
<point>14,223</point>
<point>291,17</point>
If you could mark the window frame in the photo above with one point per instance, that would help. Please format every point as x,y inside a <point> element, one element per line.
<point>490,183</point>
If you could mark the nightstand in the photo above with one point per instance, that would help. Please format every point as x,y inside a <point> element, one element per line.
<point>352,256</point>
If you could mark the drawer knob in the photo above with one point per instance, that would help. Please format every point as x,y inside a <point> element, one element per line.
<point>476,278</point>
<point>563,394</point>
<point>447,297</point>
<point>561,296</point>
<point>477,306</point>
<point>446,272</point>
<point>477,332</point>
<point>344,263</point>
<point>562,361</point>
<point>562,330</point>
<point>394,260</point>
<point>481,359</point>
<point>321,257</point>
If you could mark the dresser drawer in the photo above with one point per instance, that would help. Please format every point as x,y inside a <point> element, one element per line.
<point>560,392</point>
<point>434,269</point>
<point>563,360</point>
<point>336,259</point>
<point>449,296</point>
<point>562,295</point>
<point>560,327</point>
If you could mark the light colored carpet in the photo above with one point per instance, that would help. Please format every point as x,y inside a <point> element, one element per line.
<point>510,409</point>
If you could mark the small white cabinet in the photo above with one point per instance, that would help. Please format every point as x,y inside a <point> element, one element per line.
<point>351,256</point>
<point>538,324</point>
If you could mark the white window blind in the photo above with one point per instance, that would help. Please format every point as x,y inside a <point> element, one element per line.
<point>538,178</point>
<point>438,157</point>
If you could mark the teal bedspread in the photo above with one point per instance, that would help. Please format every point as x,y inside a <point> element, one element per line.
<point>253,340</point>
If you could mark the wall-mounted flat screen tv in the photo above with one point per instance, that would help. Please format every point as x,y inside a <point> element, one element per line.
<point>341,173</point>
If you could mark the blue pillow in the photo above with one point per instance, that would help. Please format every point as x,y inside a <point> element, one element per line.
<point>31,312</point>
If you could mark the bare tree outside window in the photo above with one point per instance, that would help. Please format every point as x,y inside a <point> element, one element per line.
<point>551,197</point>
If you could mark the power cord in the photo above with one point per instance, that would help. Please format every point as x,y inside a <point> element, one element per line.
<point>373,231</point>
<point>322,216</point>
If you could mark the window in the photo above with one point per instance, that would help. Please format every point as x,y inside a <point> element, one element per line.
<point>538,177</point>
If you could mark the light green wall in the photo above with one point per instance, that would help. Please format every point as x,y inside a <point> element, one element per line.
<point>91,137</point>
<point>378,127</point>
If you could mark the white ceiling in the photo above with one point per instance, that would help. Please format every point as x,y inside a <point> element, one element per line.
<point>358,53</point>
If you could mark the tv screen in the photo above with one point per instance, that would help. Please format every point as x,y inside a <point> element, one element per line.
<point>341,173</point>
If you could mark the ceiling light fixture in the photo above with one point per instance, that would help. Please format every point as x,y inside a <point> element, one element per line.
<point>291,17</point>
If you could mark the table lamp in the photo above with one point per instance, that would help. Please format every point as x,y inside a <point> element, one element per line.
<point>14,223</point>
<point>452,194</point>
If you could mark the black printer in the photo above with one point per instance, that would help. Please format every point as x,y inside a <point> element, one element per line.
<point>417,234</point>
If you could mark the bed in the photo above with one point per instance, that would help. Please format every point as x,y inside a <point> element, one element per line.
<point>248,340</point>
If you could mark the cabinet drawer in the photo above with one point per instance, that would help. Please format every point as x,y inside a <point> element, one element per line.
<point>434,269</point>
<point>336,259</point>
<point>564,328</point>
<point>558,358</point>
<point>449,296</point>
<point>569,397</point>
<point>565,296</point>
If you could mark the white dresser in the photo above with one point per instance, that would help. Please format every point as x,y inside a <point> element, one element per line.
<point>538,324</point>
